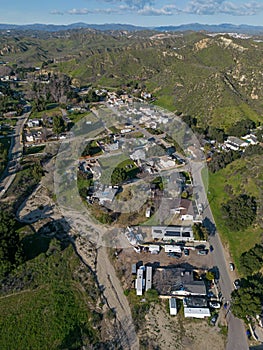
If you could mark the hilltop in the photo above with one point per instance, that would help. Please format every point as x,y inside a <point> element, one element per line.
<point>212,28</point>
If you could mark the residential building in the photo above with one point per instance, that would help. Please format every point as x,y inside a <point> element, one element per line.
<point>177,282</point>
<point>175,233</point>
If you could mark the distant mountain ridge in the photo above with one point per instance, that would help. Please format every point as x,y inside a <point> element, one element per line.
<point>215,28</point>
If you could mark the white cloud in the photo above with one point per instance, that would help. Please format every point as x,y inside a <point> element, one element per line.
<point>151,11</point>
<point>149,8</point>
<point>212,7</point>
<point>56,12</point>
<point>83,11</point>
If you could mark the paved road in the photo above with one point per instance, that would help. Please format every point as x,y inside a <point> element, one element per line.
<point>237,339</point>
<point>14,155</point>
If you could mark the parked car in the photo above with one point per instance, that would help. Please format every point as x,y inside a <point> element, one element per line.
<point>215,304</point>
<point>186,252</point>
<point>200,208</point>
<point>200,246</point>
<point>202,252</point>
<point>210,294</point>
<point>236,284</point>
<point>214,319</point>
<point>231,266</point>
<point>211,248</point>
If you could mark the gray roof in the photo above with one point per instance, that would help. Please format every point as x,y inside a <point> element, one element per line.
<point>170,281</point>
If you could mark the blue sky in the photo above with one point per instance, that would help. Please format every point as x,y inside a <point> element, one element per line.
<point>138,12</point>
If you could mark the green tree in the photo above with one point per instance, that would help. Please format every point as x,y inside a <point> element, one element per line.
<point>118,176</point>
<point>210,276</point>
<point>200,232</point>
<point>252,260</point>
<point>10,246</point>
<point>247,300</point>
<point>37,171</point>
<point>241,128</point>
<point>58,125</point>
<point>239,212</point>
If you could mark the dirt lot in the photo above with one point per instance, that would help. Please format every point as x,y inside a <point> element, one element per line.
<point>176,332</point>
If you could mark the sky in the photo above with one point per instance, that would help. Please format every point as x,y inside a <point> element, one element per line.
<point>137,12</point>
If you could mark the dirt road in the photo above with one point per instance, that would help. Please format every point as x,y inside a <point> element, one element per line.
<point>116,299</point>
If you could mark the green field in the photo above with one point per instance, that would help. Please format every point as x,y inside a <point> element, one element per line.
<point>241,176</point>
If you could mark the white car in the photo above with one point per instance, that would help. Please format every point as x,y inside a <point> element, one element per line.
<point>215,304</point>
<point>231,266</point>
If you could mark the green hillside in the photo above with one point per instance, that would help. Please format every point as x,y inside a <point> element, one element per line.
<point>218,79</point>
<point>241,176</point>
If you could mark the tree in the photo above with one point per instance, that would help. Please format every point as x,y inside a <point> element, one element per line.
<point>252,260</point>
<point>200,232</point>
<point>239,212</point>
<point>247,300</point>
<point>216,134</point>
<point>10,246</point>
<point>241,128</point>
<point>210,276</point>
<point>118,176</point>
<point>58,124</point>
<point>37,171</point>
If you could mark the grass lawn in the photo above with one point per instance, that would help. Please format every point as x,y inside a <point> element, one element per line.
<point>50,112</point>
<point>34,149</point>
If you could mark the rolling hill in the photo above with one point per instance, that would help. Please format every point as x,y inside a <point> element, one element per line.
<point>217,78</point>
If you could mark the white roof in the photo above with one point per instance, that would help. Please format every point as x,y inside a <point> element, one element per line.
<point>196,312</point>
<point>148,277</point>
<point>172,248</point>
<point>173,306</point>
<point>154,247</point>
<point>139,282</point>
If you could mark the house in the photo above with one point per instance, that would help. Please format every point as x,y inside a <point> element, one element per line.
<point>32,123</point>
<point>105,194</point>
<point>111,147</point>
<point>177,282</point>
<point>234,143</point>
<point>138,154</point>
<point>250,138</point>
<point>30,138</point>
<point>176,233</point>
